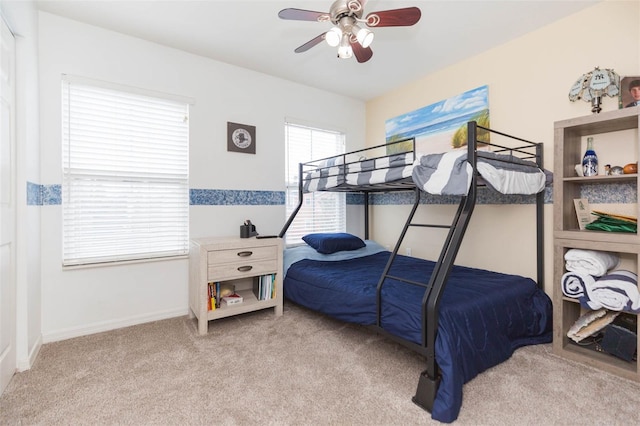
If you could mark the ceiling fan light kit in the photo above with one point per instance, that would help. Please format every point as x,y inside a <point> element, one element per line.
<point>347,34</point>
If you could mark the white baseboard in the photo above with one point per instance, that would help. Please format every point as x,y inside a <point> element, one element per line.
<point>100,327</point>
<point>26,364</point>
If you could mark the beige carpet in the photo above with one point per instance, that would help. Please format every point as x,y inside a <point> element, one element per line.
<point>299,369</point>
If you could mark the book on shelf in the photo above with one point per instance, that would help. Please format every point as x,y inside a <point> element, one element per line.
<point>264,287</point>
<point>213,300</point>
<point>583,212</point>
<point>218,293</point>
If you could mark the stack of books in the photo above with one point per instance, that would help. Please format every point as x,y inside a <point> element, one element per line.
<point>265,287</point>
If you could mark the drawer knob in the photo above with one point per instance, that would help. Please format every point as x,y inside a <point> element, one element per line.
<point>245,268</point>
<point>245,253</point>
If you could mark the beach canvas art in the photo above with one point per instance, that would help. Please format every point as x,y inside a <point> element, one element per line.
<point>441,126</point>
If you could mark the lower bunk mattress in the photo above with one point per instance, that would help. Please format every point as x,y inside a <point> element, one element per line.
<point>484,316</point>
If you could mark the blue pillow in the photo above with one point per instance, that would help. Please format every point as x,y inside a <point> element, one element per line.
<point>327,243</point>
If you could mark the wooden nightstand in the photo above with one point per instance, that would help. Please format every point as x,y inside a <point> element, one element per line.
<point>237,261</point>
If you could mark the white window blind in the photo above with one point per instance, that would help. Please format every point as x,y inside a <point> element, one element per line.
<point>125,190</point>
<point>321,211</point>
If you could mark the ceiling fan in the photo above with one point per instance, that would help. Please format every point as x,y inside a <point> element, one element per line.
<point>347,33</point>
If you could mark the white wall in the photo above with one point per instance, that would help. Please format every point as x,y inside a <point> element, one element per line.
<point>529,80</point>
<point>82,301</point>
<point>22,20</point>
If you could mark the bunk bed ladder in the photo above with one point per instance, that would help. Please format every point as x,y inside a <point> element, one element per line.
<point>430,377</point>
<point>385,273</point>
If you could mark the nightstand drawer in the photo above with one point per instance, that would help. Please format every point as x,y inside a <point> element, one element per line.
<point>242,255</point>
<point>235,270</point>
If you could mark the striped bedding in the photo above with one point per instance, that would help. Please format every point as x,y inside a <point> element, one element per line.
<point>440,174</point>
<point>334,173</point>
<point>450,173</point>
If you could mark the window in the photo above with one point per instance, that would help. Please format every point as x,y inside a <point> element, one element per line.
<point>321,211</point>
<point>125,189</point>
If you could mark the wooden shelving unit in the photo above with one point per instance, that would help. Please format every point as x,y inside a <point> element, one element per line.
<point>567,186</point>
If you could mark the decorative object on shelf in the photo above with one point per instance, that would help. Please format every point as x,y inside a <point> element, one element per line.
<point>590,160</point>
<point>233,299</point>
<point>595,84</point>
<point>629,92</point>
<point>630,168</point>
<point>241,138</point>
<point>613,170</point>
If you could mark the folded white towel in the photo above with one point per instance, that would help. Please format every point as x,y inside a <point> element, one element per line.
<point>574,284</point>
<point>616,291</point>
<point>591,262</point>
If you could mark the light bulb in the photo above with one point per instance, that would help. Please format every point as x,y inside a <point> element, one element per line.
<point>345,51</point>
<point>364,36</point>
<point>333,36</point>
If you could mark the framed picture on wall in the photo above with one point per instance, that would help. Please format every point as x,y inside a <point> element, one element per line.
<point>629,92</point>
<point>441,126</point>
<point>241,138</point>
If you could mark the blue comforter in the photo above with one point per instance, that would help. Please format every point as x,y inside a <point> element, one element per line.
<point>484,316</point>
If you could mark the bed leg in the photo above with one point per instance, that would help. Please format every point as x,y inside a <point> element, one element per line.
<point>426,392</point>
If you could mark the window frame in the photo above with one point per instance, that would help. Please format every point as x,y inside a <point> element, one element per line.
<point>136,205</point>
<point>314,219</point>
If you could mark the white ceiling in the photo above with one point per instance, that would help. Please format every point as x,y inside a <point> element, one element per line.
<point>249,34</point>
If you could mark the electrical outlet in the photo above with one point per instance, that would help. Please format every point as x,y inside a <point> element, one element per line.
<point>408,251</point>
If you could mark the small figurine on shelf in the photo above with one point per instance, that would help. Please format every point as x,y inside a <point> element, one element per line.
<point>612,171</point>
<point>590,160</point>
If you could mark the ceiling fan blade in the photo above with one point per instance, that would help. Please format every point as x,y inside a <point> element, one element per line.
<point>394,18</point>
<point>308,45</point>
<point>362,54</point>
<point>303,15</point>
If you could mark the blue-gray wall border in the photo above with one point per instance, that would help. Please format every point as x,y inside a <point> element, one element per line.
<point>613,193</point>
<point>226,197</point>
<point>34,194</point>
<point>43,195</point>
<point>485,196</point>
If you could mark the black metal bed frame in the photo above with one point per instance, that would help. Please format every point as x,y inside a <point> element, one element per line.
<point>430,378</point>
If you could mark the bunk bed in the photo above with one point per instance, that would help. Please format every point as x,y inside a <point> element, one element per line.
<point>462,320</point>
